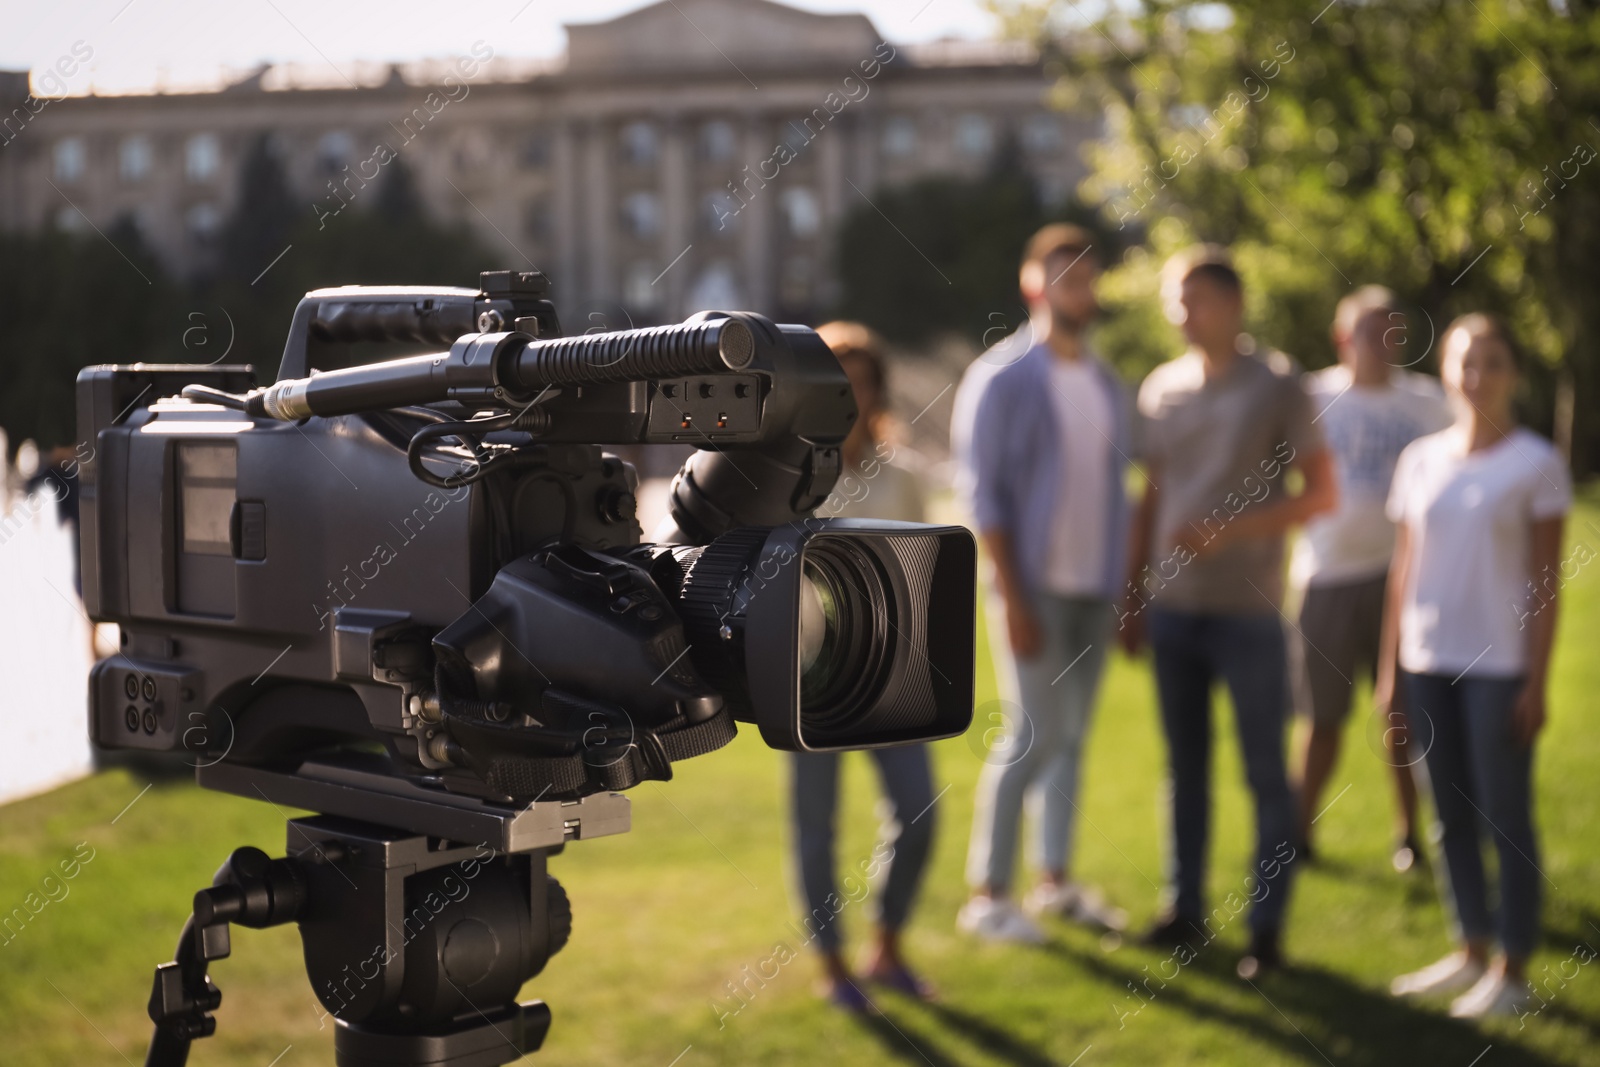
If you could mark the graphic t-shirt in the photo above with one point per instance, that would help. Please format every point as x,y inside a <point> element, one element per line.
<point>1366,428</point>
<point>1468,516</point>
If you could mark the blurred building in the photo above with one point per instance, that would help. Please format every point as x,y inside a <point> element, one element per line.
<point>690,154</point>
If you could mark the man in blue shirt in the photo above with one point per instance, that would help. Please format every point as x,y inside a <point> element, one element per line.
<point>1043,436</point>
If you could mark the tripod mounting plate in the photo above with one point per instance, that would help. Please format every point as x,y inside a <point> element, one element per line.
<point>511,1032</point>
<point>354,791</point>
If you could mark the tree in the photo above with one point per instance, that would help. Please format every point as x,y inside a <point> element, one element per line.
<point>272,254</point>
<point>940,255</point>
<point>67,301</point>
<point>1444,149</point>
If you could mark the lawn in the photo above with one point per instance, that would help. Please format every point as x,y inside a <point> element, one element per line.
<point>670,914</point>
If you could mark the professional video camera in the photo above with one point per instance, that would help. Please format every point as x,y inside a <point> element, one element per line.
<point>411,595</point>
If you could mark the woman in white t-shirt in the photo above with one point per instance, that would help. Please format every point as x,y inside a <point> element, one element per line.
<point>1478,509</point>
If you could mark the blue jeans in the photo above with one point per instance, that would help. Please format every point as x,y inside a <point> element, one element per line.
<point>905,838</point>
<point>1041,751</point>
<point>1192,651</point>
<point>1482,784</point>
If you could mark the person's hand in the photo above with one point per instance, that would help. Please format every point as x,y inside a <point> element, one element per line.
<point>1383,694</point>
<point>1205,540</point>
<point>1130,626</point>
<point>1022,626</point>
<point>1527,716</point>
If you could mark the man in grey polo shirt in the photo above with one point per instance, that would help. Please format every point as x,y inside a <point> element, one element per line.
<point>1222,428</point>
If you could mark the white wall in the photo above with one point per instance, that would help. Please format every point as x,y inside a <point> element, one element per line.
<point>45,650</point>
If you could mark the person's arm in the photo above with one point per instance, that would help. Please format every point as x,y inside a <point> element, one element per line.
<point>1021,624</point>
<point>1273,518</point>
<point>1141,535</point>
<point>993,514</point>
<point>1544,558</point>
<point>1387,672</point>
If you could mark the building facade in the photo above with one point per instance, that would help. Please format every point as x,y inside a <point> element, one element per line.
<point>690,154</point>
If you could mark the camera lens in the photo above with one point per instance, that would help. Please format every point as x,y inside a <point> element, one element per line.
<point>819,623</point>
<point>831,633</point>
<point>843,633</point>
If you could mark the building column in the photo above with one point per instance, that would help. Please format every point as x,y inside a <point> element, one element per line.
<point>677,216</point>
<point>835,199</point>
<point>567,283</point>
<point>599,214</point>
<point>755,221</point>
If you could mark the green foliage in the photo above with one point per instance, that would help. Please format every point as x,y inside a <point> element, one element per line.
<point>67,301</point>
<point>382,236</point>
<point>940,255</point>
<point>1444,149</point>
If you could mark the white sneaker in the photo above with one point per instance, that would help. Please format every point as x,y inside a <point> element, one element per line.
<point>1079,904</point>
<point>1452,974</point>
<point>997,920</point>
<point>1494,994</point>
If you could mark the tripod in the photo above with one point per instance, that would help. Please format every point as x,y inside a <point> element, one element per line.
<point>415,943</point>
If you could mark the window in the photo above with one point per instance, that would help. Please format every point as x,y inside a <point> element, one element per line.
<point>203,220</point>
<point>715,289</point>
<point>70,157</point>
<point>639,289</point>
<point>900,136</point>
<point>719,214</point>
<point>639,145</point>
<point>335,149</point>
<point>642,213</point>
<point>70,220</point>
<point>537,148</point>
<point>1041,133</point>
<point>538,220</point>
<point>795,284</point>
<point>974,135</point>
<point>133,161</point>
<point>717,141</point>
<point>801,210</point>
<point>796,134</point>
<point>202,157</point>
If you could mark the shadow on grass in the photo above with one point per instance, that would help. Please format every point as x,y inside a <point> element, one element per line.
<point>1347,1023</point>
<point>899,1039</point>
<point>899,1043</point>
<point>993,1039</point>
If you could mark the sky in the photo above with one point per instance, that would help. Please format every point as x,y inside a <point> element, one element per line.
<point>137,44</point>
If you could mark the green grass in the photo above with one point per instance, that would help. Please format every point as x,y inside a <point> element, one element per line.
<point>668,914</point>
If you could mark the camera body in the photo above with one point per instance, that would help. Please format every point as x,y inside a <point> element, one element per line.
<point>427,571</point>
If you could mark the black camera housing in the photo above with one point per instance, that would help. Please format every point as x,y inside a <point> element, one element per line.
<point>294,598</point>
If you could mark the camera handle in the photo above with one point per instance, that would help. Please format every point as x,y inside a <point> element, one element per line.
<point>416,946</point>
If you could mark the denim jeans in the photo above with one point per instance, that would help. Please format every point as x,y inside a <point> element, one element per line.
<point>908,821</point>
<point>1041,752</point>
<point>1192,651</point>
<point>1481,780</point>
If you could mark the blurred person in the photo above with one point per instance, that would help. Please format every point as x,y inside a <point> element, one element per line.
<point>1222,426</point>
<point>874,483</point>
<point>1369,409</point>
<point>1044,457</point>
<point>1478,509</point>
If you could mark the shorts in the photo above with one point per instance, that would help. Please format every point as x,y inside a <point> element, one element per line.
<point>1338,634</point>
